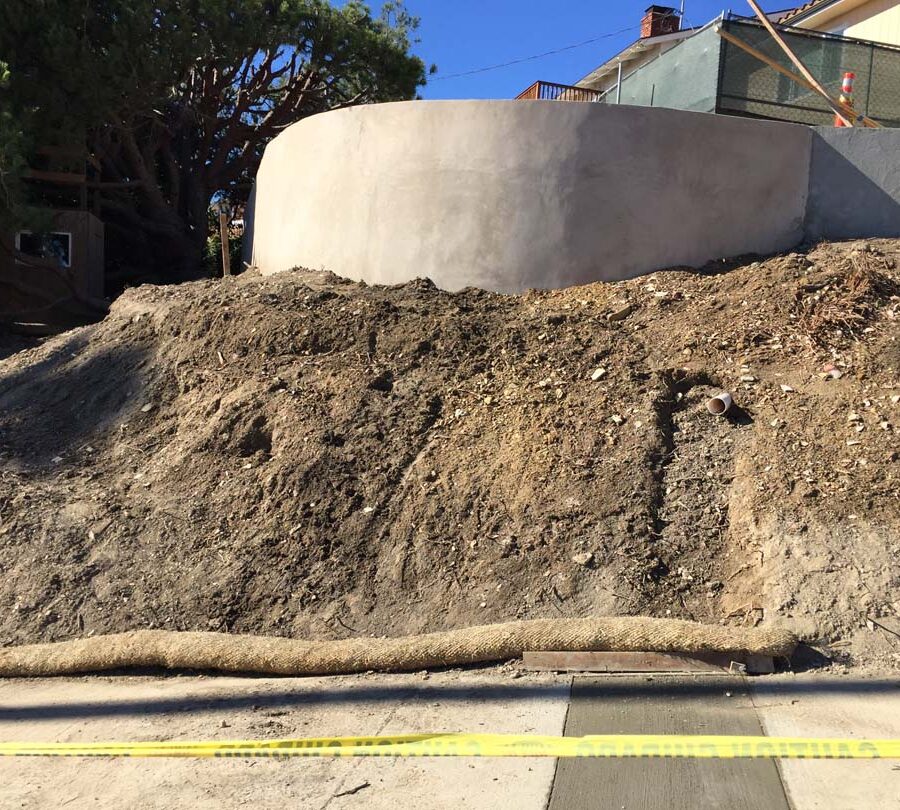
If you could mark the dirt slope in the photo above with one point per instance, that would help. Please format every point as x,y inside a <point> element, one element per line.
<point>304,455</point>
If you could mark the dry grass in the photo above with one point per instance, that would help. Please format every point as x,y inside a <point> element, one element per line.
<point>841,306</point>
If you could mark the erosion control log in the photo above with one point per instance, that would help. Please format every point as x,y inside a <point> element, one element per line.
<point>286,656</point>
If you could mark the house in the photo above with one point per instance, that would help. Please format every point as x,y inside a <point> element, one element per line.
<point>700,69</point>
<point>56,275</point>
<point>875,20</point>
<point>660,32</point>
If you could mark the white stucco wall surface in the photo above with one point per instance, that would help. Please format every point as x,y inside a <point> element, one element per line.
<point>511,195</point>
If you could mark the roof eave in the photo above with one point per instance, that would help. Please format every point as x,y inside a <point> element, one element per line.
<point>632,51</point>
<point>806,11</point>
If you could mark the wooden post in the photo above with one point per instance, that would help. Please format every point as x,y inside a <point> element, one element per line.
<point>223,234</point>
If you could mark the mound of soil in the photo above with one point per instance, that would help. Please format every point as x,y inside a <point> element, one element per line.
<point>302,455</point>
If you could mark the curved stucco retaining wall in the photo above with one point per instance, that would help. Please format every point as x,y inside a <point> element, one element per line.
<point>508,195</point>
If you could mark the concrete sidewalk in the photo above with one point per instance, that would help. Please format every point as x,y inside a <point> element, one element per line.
<point>146,708</point>
<point>816,706</point>
<point>198,708</point>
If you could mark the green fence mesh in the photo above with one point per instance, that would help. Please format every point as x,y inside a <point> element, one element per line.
<point>748,86</point>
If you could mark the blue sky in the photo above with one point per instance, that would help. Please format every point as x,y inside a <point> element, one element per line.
<point>462,35</point>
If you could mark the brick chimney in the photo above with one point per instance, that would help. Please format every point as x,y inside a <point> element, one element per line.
<point>659,20</point>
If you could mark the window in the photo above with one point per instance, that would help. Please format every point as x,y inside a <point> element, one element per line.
<point>55,244</point>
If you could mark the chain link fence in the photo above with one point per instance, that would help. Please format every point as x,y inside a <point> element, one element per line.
<point>749,87</point>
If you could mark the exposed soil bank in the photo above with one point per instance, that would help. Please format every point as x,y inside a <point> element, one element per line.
<point>301,455</point>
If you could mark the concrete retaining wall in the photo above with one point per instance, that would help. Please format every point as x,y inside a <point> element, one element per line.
<point>508,195</point>
<point>854,184</point>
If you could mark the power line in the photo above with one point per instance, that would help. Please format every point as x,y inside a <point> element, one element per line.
<point>535,56</point>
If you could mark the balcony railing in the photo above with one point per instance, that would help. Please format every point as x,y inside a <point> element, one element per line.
<point>559,92</point>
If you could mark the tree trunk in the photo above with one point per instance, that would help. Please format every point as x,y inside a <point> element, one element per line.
<point>160,224</point>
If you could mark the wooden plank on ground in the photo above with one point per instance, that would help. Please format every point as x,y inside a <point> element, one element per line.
<point>689,704</point>
<point>711,663</point>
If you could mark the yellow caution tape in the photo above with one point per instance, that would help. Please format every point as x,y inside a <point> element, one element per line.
<point>484,745</point>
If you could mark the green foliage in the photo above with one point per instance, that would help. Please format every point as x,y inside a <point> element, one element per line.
<point>12,160</point>
<point>177,98</point>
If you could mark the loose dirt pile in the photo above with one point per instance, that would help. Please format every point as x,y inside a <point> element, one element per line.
<point>301,455</point>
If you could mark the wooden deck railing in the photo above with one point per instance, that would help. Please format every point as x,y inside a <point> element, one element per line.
<point>559,92</point>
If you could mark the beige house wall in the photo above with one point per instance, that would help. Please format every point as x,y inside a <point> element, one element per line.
<point>883,26</point>
<point>875,20</point>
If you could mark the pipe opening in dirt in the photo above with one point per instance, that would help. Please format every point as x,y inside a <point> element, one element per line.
<point>719,404</point>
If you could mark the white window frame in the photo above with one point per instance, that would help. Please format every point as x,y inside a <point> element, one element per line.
<point>67,234</point>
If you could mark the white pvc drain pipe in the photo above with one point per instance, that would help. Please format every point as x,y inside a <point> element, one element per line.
<point>719,404</point>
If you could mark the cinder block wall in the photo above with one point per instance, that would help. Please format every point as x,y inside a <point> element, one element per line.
<point>508,195</point>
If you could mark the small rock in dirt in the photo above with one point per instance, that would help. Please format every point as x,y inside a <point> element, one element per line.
<point>616,419</point>
<point>598,374</point>
<point>620,314</point>
<point>585,559</point>
<point>786,389</point>
<point>147,408</point>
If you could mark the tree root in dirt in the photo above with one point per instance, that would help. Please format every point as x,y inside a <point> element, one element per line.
<point>285,656</point>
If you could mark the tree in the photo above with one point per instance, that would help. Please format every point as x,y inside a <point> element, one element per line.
<point>178,98</point>
<point>12,158</point>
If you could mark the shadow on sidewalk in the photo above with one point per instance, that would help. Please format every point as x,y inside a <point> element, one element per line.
<point>610,689</point>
